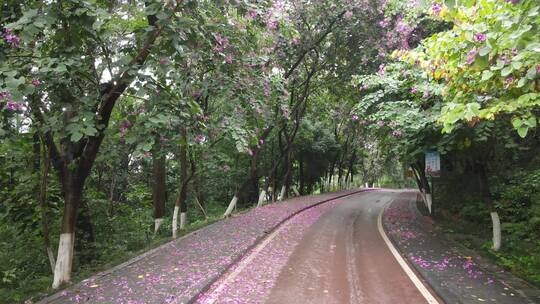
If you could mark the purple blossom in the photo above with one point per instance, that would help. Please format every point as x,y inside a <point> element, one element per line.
<point>266,88</point>
<point>514,51</point>
<point>505,60</point>
<point>124,127</point>
<point>296,40</point>
<point>436,8</point>
<point>512,1</point>
<point>164,61</point>
<point>197,94</point>
<point>380,123</point>
<point>5,95</point>
<point>286,112</point>
<point>471,56</point>
<point>414,90</point>
<point>229,58</point>
<point>421,262</point>
<point>258,110</point>
<point>11,38</point>
<point>538,69</point>
<point>147,154</point>
<point>252,14</point>
<point>396,133</point>
<point>354,117</point>
<point>221,43</point>
<point>508,81</point>
<point>13,106</point>
<point>272,24</point>
<point>381,69</point>
<point>384,23</point>
<point>36,82</point>
<point>261,142</point>
<point>480,37</point>
<point>348,15</point>
<point>200,138</point>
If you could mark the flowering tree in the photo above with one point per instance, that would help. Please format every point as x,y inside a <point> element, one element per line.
<point>489,61</point>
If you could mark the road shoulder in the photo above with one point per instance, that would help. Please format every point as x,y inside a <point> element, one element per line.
<point>456,276</point>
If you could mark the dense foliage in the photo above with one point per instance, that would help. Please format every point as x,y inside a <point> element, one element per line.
<point>119,117</point>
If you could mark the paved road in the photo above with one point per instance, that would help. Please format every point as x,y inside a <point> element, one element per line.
<point>344,259</point>
<point>340,258</point>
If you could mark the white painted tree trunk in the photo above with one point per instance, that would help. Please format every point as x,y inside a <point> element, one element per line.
<point>366,185</point>
<point>496,221</point>
<point>429,201</point>
<point>62,269</point>
<point>157,224</point>
<point>231,207</point>
<point>50,254</point>
<point>423,196</point>
<point>175,222</point>
<point>262,197</point>
<point>295,191</point>
<point>281,193</point>
<point>183,220</point>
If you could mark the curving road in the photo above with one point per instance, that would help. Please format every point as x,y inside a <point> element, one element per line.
<point>341,257</point>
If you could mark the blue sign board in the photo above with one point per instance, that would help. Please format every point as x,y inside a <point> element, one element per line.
<point>433,164</point>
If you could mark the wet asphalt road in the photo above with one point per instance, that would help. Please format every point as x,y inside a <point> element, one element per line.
<point>342,258</point>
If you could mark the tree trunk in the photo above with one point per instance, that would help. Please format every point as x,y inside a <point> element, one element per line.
<point>285,187</point>
<point>262,197</point>
<point>253,180</point>
<point>424,182</point>
<point>159,185</point>
<point>76,159</point>
<point>72,187</point>
<point>181,201</point>
<point>85,237</point>
<point>488,200</point>
<point>301,176</point>
<point>197,184</point>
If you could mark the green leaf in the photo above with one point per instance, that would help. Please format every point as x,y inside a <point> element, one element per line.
<point>486,75</point>
<point>521,82</point>
<point>531,122</point>
<point>517,122</point>
<point>523,131</point>
<point>76,136</point>
<point>485,50</point>
<point>531,73</point>
<point>506,71</point>
<point>517,65</point>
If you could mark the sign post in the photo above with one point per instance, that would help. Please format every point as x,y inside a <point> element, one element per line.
<point>433,169</point>
<point>433,164</point>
